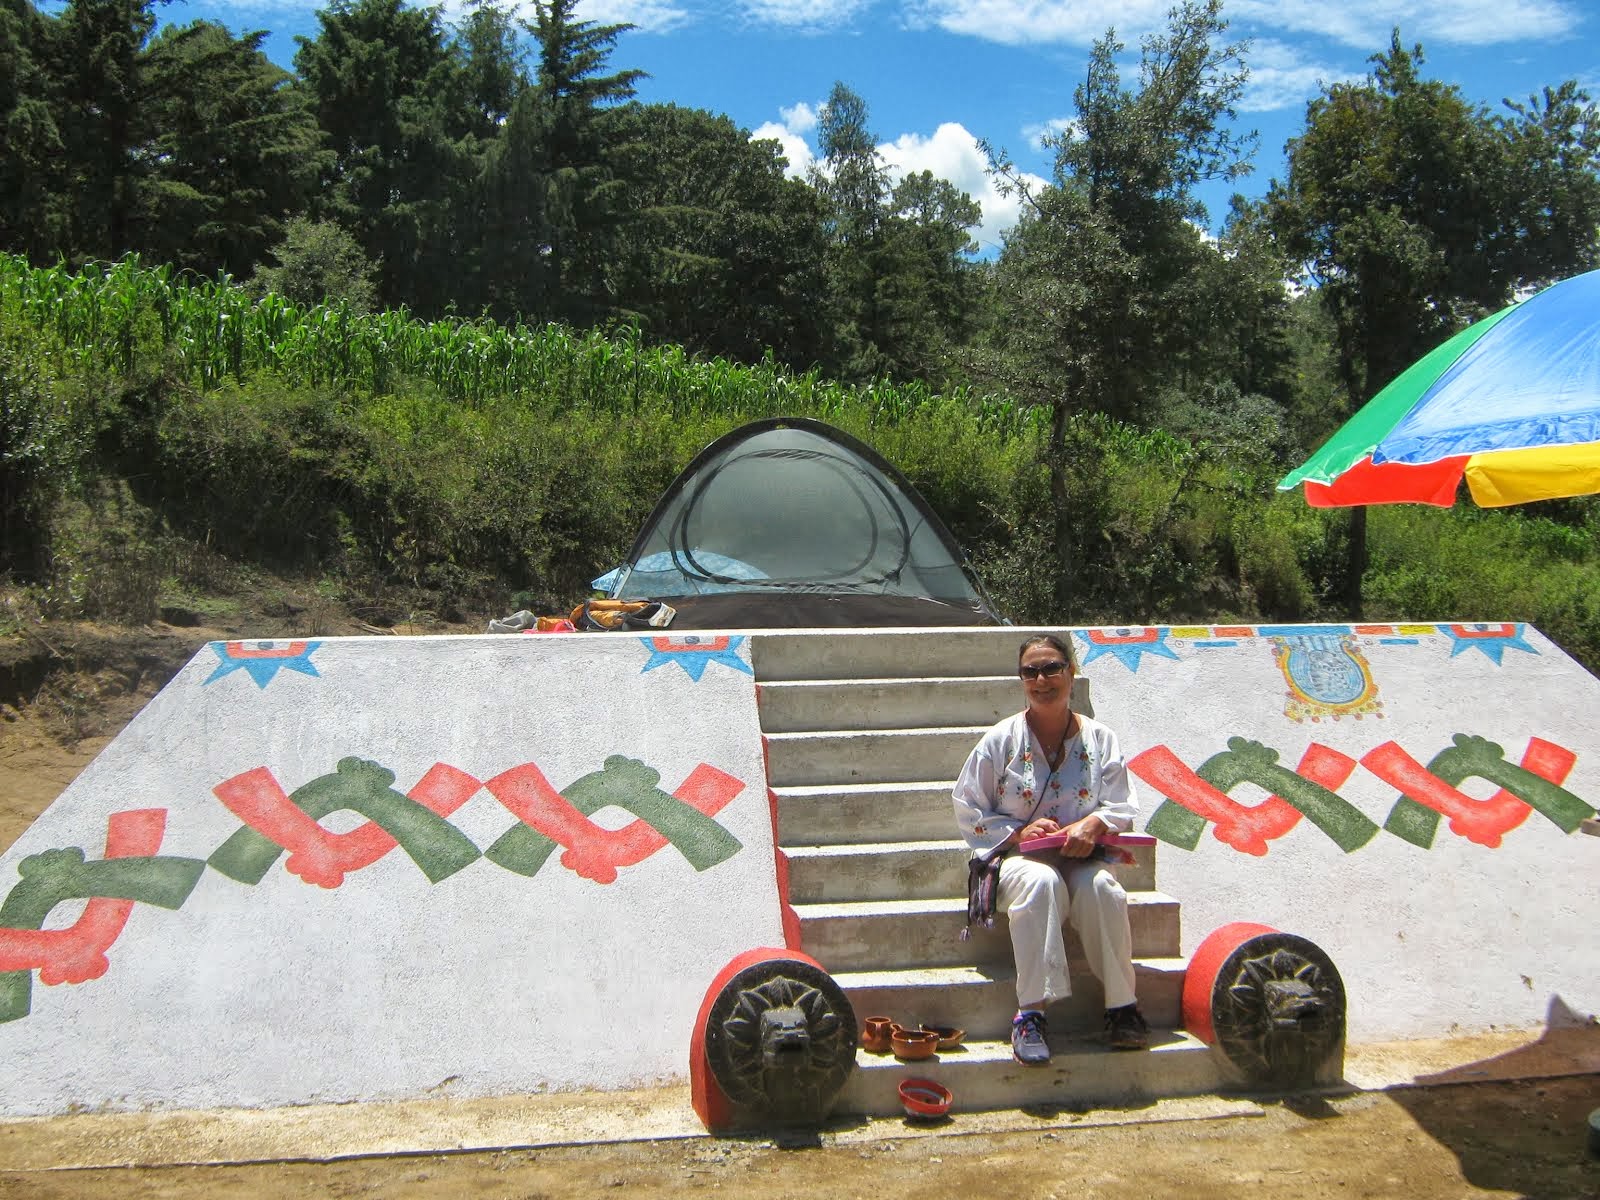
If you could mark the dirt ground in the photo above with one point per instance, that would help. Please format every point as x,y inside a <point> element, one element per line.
<point>64,693</point>
<point>1476,1140</point>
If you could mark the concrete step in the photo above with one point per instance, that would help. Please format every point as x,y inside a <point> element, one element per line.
<point>910,870</point>
<point>810,705</point>
<point>887,756</point>
<point>982,998</point>
<point>888,653</point>
<point>842,814</point>
<point>881,935</point>
<point>982,1075</point>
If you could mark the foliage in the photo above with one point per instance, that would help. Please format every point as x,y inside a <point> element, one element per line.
<point>1089,281</point>
<point>44,439</point>
<point>1413,209</point>
<point>320,263</point>
<point>383,81</point>
<point>1470,565</point>
<point>895,259</point>
<point>723,253</point>
<point>551,190</point>
<point>233,150</point>
<point>436,465</point>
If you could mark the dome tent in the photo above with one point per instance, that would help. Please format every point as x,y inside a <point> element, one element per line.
<point>787,522</point>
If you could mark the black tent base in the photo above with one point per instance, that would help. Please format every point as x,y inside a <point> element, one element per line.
<point>810,610</point>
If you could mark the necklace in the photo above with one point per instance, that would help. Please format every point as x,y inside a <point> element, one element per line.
<point>1052,781</point>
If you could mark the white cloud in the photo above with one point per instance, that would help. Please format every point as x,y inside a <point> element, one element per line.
<point>1362,24</point>
<point>794,146</point>
<point>1281,78</point>
<point>1027,22</point>
<point>1055,127</point>
<point>953,154</point>
<point>1365,24</point>
<point>803,15</point>
<point>651,16</point>
<point>799,118</point>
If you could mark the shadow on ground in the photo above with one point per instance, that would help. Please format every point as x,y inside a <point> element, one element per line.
<point>1531,1141</point>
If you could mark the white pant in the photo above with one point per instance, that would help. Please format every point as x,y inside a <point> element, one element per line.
<point>1037,897</point>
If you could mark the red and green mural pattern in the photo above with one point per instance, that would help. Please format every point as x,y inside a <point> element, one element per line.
<point>277,823</point>
<point>1199,796</point>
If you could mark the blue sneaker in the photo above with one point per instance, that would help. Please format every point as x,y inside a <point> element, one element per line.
<point>1028,1046</point>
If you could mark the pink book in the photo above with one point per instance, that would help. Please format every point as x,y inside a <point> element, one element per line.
<point>1051,841</point>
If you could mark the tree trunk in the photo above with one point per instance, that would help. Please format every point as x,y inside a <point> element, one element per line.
<point>1355,562</point>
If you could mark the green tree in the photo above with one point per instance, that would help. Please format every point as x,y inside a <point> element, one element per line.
<point>30,140</point>
<point>95,63</point>
<point>551,187</point>
<point>1089,283</point>
<point>493,65</point>
<point>318,262</point>
<point>924,297</point>
<point>233,151</point>
<point>384,84</point>
<point>1414,210</point>
<point>897,262</point>
<point>853,181</point>
<point>721,253</point>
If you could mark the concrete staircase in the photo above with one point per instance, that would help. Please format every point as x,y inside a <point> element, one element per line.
<point>865,733</point>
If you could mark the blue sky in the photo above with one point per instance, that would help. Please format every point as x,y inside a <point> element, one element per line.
<point>939,74</point>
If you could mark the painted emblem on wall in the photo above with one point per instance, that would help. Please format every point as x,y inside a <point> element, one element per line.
<point>1127,644</point>
<point>416,822</point>
<point>695,652</point>
<point>1493,639</point>
<point>263,660</point>
<point>1328,676</point>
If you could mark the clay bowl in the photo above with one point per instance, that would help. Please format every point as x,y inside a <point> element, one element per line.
<point>875,1035</point>
<point>924,1099</point>
<point>912,1044</point>
<point>949,1036</point>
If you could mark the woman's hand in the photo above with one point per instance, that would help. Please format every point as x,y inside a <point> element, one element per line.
<point>1082,836</point>
<point>1043,827</point>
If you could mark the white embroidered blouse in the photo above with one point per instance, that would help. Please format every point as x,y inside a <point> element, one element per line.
<point>1000,790</point>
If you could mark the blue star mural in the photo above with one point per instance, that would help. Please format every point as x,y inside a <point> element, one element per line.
<point>1493,640</point>
<point>694,653</point>
<point>262,660</point>
<point>1128,645</point>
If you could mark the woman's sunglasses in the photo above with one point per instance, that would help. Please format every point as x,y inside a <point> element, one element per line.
<point>1049,670</point>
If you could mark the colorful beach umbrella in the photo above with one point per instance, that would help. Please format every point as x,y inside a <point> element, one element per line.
<point>1512,403</point>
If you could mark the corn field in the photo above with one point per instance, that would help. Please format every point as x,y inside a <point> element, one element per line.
<point>206,332</point>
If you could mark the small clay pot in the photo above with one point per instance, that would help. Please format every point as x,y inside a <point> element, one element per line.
<point>949,1036</point>
<point>925,1099</point>
<point>875,1035</point>
<point>912,1044</point>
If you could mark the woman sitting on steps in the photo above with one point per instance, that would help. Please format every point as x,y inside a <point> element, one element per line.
<point>1048,770</point>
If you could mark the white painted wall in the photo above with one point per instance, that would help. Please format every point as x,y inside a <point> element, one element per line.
<point>390,985</point>
<point>487,982</point>
<point>1458,937</point>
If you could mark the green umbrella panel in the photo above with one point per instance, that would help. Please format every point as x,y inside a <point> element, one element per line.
<point>1355,439</point>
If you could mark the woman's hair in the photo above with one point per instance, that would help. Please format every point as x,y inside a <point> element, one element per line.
<point>1050,639</point>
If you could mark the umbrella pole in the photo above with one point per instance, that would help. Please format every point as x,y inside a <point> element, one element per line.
<point>1355,561</point>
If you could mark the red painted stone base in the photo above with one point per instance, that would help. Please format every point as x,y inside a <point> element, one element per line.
<point>711,1103</point>
<point>1200,980</point>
